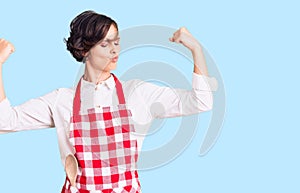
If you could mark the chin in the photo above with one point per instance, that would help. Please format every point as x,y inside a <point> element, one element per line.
<point>113,66</point>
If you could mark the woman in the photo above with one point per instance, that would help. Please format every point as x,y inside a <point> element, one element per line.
<point>95,121</point>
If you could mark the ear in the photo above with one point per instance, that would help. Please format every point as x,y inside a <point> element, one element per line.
<point>85,56</point>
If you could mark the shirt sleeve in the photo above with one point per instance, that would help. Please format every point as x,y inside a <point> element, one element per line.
<point>169,102</point>
<point>33,114</point>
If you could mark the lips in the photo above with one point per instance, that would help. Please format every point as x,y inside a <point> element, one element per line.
<point>115,59</point>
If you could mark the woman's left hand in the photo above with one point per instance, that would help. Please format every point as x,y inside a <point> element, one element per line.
<point>183,36</point>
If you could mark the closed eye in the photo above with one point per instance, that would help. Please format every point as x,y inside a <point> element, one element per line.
<point>103,45</point>
<point>116,43</point>
<point>105,42</point>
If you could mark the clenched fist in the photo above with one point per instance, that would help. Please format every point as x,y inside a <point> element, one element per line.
<point>6,48</point>
<point>183,36</point>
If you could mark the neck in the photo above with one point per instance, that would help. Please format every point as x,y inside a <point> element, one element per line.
<point>95,76</point>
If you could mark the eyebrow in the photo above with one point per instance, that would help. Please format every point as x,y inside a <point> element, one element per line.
<point>110,40</point>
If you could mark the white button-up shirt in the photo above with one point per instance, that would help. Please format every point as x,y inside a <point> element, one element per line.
<point>145,100</point>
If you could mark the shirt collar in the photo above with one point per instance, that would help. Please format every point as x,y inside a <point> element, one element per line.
<point>110,83</point>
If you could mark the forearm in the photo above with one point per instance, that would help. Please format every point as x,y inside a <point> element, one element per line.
<point>6,48</point>
<point>2,92</point>
<point>199,61</point>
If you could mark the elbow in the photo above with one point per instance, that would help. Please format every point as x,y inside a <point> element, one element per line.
<point>205,102</point>
<point>210,102</point>
<point>8,122</point>
<point>205,107</point>
<point>6,128</point>
<point>209,107</point>
<point>4,132</point>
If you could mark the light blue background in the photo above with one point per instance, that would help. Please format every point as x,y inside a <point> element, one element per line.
<point>256,47</point>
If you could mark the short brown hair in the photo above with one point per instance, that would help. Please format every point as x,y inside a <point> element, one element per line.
<point>86,30</point>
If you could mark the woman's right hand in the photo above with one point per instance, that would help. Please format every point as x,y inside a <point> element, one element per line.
<point>6,48</point>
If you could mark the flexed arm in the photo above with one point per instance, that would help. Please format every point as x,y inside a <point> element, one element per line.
<point>6,48</point>
<point>183,36</point>
<point>180,102</point>
<point>33,114</point>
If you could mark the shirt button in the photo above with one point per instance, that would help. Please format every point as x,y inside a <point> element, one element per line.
<point>97,87</point>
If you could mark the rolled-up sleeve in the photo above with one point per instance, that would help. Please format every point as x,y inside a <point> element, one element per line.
<point>169,102</point>
<point>33,114</point>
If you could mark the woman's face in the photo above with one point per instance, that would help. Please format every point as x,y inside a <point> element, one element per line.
<point>104,55</point>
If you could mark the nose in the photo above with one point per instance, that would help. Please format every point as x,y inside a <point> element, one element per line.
<point>113,49</point>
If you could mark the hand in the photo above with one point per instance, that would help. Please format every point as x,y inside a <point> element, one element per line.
<point>6,48</point>
<point>183,36</point>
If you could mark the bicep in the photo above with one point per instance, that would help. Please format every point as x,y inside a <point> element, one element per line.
<point>33,114</point>
<point>162,101</point>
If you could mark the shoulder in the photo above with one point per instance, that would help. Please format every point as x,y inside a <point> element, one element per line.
<point>132,85</point>
<point>59,92</point>
<point>66,91</point>
<point>58,96</point>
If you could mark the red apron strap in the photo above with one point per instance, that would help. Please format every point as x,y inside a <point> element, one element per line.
<point>119,90</point>
<point>77,99</point>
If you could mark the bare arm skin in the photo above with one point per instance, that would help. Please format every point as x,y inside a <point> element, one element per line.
<point>183,36</point>
<point>6,48</point>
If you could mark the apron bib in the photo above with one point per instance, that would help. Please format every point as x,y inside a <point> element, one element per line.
<point>105,150</point>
